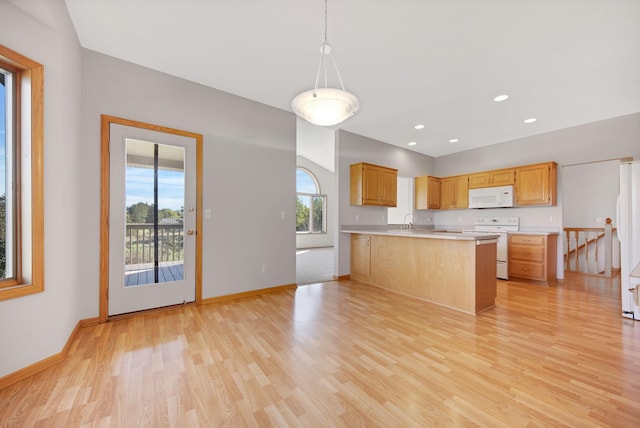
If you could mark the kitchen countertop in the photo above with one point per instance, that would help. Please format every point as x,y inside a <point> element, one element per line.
<point>423,233</point>
<point>534,232</point>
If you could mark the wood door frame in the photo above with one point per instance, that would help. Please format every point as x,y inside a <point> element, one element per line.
<point>105,135</point>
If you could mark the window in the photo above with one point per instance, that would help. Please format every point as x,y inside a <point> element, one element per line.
<point>404,204</point>
<point>21,175</point>
<point>310,204</point>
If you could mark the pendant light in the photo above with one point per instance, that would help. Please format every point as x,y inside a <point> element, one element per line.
<point>325,106</point>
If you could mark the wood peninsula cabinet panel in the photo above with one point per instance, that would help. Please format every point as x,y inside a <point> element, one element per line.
<point>426,193</point>
<point>373,185</point>
<point>536,184</point>
<point>499,177</point>
<point>454,192</point>
<point>360,257</point>
<point>533,257</point>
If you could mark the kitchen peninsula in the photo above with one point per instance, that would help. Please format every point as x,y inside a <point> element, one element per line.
<point>452,269</point>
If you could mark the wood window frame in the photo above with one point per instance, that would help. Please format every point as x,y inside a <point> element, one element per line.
<point>30,84</point>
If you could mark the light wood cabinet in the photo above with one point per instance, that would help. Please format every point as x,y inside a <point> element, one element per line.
<point>536,184</point>
<point>533,257</point>
<point>373,185</point>
<point>498,177</point>
<point>457,274</point>
<point>454,192</point>
<point>360,257</point>
<point>426,193</point>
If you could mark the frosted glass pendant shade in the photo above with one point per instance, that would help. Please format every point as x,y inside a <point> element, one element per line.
<point>325,106</point>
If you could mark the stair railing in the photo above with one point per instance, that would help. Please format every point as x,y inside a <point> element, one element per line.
<point>589,250</point>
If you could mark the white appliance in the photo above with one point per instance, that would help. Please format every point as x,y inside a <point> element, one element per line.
<point>491,197</point>
<point>500,226</point>
<point>629,233</point>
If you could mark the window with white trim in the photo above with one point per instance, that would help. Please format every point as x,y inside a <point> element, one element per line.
<point>311,205</point>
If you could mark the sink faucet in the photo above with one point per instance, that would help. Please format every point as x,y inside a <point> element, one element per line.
<point>406,225</point>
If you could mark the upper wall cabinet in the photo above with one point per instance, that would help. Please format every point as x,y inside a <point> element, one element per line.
<point>426,193</point>
<point>373,185</point>
<point>454,192</point>
<point>536,184</point>
<point>499,177</point>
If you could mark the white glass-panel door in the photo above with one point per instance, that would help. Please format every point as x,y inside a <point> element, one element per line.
<point>152,216</point>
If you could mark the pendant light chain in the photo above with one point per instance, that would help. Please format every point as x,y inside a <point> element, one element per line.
<point>323,54</point>
<point>325,21</point>
<point>325,106</point>
<point>323,64</point>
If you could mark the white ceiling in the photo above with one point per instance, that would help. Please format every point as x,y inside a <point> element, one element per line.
<point>435,62</point>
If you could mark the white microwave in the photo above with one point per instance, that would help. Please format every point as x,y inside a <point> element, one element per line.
<point>491,197</point>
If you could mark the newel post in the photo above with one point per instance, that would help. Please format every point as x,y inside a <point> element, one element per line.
<point>608,245</point>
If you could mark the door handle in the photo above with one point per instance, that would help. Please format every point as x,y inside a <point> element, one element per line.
<point>190,232</point>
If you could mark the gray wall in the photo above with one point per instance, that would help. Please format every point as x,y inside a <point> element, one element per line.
<point>249,161</point>
<point>590,193</point>
<point>37,326</point>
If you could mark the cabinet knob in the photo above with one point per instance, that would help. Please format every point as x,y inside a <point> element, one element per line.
<point>190,232</point>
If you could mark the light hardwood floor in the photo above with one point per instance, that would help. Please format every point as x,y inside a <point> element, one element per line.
<point>346,354</point>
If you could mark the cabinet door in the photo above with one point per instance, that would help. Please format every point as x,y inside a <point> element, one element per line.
<point>479,180</point>
<point>360,256</point>
<point>461,191</point>
<point>447,193</point>
<point>371,180</point>
<point>503,177</point>
<point>388,187</point>
<point>536,184</point>
<point>433,193</point>
<point>421,193</point>
<point>500,177</point>
<point>426,193</point>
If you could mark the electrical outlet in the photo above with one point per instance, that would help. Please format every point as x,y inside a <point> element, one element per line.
<point>207,213</point>
<point>598,219</point>
<point>357,218</point>
<point>283,215</point>
<point>264,268</point>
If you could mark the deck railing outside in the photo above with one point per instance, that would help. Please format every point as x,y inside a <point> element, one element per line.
<point>140,243</point>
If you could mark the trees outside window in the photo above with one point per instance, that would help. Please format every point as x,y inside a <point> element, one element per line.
<point>310,204</point>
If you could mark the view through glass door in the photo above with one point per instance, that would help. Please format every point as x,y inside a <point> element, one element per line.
<point>154,234</point>
<point>152,220</point>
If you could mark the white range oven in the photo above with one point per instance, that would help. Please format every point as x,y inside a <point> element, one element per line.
<point>500,226</point>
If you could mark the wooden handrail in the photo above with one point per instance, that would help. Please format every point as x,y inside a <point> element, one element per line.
<point>584,229</point>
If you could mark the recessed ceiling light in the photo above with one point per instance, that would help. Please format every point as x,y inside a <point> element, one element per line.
<point>419,126</point>
<point>453,140</point>
<point>413,143</point>
<point>500,98</point>
<point>530,120</point>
